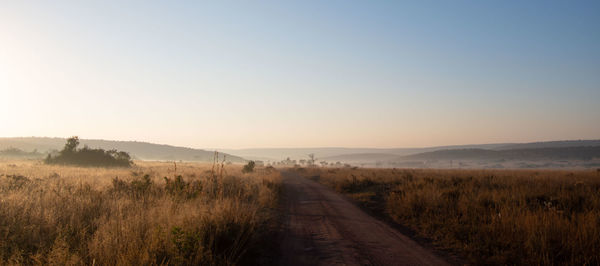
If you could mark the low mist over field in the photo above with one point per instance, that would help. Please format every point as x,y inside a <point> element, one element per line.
<point>553,154</point>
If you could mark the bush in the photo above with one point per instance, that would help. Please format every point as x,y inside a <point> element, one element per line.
<point>249,168</point>
<point>89,157</point>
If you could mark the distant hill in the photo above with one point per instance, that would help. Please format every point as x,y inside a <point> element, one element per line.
<point>138,150</point>
<point>551,144</point>
<point>456,152</point>
<point>562,153</point>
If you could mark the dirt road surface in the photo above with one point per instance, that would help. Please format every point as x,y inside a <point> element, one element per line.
<point>324,228</point>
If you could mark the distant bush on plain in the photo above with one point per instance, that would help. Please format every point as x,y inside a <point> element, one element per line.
<point>249,168</point>
<point>70,155</point>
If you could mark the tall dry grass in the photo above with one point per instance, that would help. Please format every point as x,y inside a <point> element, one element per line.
<point>489,216</point>
<point>151,214</point>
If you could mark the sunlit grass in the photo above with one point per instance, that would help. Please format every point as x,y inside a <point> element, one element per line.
<point>488,216</point>
<point>151,214</point>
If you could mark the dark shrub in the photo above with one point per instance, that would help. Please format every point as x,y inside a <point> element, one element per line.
<point>249,168</point>
<point>89,157</point>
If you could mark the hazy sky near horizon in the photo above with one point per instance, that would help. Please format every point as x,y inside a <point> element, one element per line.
<point>239,74</point>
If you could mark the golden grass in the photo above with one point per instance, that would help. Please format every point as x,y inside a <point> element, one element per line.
<point>144,215</point>
<point>488,216</point>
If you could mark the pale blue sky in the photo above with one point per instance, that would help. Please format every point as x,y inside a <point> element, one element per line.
<point>237,74</point>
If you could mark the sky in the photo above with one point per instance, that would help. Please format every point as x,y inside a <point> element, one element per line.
<point>247,74</point>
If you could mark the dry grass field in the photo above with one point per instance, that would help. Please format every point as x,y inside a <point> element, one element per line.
<point>150,214</point>
<point>499,217</point>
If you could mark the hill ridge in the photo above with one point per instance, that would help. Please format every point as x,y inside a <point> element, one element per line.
<point>138,149</point>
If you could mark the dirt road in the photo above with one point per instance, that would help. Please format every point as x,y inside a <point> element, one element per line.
<point>323,228</point>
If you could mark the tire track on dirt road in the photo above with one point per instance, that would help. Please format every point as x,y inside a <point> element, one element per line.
<point>324,228</point>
